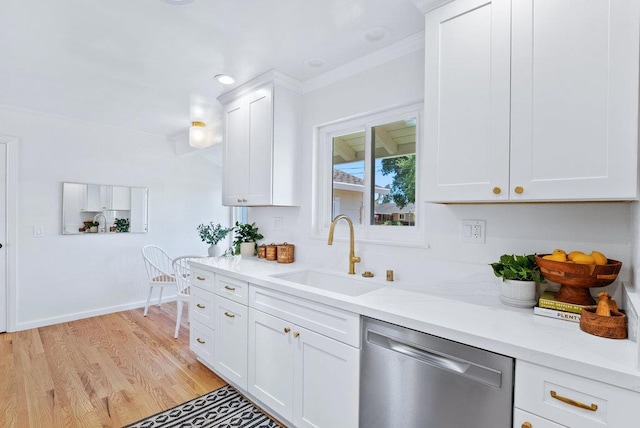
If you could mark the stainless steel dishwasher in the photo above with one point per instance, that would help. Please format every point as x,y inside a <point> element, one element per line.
<point>412,379</point>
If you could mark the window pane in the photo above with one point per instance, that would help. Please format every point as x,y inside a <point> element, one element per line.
<point>348,176</point>
<point>394,162</point>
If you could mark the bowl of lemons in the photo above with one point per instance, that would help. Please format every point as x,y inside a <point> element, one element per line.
<point>576,272</point>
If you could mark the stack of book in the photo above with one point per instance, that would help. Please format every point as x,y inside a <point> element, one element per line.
<point>548,306</point>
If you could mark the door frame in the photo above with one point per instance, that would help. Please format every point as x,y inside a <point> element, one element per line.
<point>11,210</point>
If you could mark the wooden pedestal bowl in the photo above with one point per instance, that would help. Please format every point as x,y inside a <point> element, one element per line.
<point>575,279</point>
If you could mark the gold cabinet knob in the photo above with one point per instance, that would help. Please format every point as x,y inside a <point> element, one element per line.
<point>527,425</point>
<point>296,334</point>
<point>497,190</point>
<point>519,190</point>
<point>287,329</point>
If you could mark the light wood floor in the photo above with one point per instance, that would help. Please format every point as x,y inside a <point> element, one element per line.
<point>105,371</point>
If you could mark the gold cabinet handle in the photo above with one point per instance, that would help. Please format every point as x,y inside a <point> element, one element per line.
<point>200,278</point>
<point>593,407</point>
<point>526,425</point>
<point>226,287</point>
<point>200,341</point>
<point>228,315</point>
<point>497,190</point>
<point>200,306</point>
<point>519,190</point>
<point>287,329</point>
<point>296,334</point>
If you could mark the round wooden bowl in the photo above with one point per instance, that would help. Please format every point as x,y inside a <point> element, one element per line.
<point>613,327</point>
<point>575,279</point>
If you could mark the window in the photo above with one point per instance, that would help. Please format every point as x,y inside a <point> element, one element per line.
<point>368,171</point>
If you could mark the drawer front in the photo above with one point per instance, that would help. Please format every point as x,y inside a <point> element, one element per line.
<point>522,419</point>
<point>202,306</point>
<point>232,289</point>
<point>202,279</point>
<point>332,322</point>
<point>572,400</point>
<point>201,341</point>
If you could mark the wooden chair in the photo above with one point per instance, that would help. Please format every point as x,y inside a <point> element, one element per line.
<point>159,271</point>
<point>182,274</point>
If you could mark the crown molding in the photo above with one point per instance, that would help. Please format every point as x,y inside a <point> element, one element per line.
<point>428,5</point>
<point>271,76</point>
<point>381,56</point>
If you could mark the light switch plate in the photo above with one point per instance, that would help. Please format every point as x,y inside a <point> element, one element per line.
<point>38,231</point>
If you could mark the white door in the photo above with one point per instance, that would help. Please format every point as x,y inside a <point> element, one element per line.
<point>326,382</point>
<point>271,362</point>
<point>466,133</point>
<point>574,122</point>
<point>3,238</point>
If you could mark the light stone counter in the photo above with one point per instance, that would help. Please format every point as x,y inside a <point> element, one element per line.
<point>460,302</point>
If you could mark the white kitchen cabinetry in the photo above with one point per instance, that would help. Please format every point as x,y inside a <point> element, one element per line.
<point>262,122</point>
<point>532,100</point>
<point>306,377</point>
<point>562,399</point>
<point>231,328</point>
<point>202,315</point>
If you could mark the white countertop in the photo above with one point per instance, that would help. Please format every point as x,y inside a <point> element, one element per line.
<point>464,308</point>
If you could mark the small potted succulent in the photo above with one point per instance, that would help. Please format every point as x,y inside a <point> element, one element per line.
<point>245,237</point>
<point>520,275</point>
<point>212,234</point>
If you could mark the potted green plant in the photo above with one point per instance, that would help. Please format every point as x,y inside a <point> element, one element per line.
<point>121,225</point>
<point>520,275</point>
<point>212,234</point>
<point>92,226</point>
<point>245,237</point>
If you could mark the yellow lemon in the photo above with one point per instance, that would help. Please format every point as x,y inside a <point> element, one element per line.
<point>559,251</point>
<point>572,255</point>
<point>584,259</point>
<point>558,257</point>
<point>600,258</point>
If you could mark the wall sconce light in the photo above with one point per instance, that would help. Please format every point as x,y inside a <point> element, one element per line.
<point>197,135</point>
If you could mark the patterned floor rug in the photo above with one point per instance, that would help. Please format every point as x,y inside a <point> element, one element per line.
<point>223,408</point>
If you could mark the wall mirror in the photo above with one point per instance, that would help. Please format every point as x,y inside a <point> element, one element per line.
<point>102,208</point>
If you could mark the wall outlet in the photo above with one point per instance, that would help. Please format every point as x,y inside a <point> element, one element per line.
<point>472,231</point>
<point>38,231</point>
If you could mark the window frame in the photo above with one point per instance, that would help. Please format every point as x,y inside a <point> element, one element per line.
<point>323,186</point>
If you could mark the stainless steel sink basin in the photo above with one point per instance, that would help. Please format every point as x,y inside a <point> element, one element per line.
<point>349,285</point>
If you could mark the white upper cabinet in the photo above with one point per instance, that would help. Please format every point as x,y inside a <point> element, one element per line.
<point>262,123</point>
<point>532,100</point>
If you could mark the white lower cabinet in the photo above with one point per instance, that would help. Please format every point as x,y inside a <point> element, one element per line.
<point>231,341</point>
<point>201,341</point>
<point>307,378</point>
<point>522,419</point>
<point>562,399</point>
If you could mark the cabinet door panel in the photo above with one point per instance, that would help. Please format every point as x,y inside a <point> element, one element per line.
<point>467,101</point>
<point>201,341</point>
<point>260,147</point>
<point>231,337</point>
<point>520,419</point>
<point>271,362</point>
<point>574,99</point>
<point>326,382</point>
<point>236,151</point>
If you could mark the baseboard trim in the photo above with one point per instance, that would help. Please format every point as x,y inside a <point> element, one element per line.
<point>43,322</point>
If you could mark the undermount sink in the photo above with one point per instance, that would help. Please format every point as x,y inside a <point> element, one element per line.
<point>335,282</point>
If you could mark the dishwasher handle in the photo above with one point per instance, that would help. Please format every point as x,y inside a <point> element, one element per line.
<point>452,364</point>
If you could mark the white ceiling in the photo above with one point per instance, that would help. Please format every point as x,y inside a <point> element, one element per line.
<point>146,64</point>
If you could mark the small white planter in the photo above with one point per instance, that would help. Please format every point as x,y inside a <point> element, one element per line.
<point>247,249</point>
<point>521,294</point>
<point>214,250</point>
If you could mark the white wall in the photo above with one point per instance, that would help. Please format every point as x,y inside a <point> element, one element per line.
<point>511,228</point>
<point>63,277</point>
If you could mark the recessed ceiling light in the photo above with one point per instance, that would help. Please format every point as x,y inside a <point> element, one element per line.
<point>225,79</point>
<point>179,2</point>
<point>375,34</point>
<point>315,62</point>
